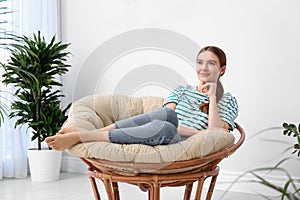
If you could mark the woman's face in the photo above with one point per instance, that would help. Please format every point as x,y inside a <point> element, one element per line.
<point>208,67</point>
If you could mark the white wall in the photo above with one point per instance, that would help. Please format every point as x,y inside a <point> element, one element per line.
<point>113,40</point>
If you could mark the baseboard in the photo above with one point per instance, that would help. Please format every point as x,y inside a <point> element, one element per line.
<point>245,183</point>
<point>226,181</point>
<point>72,164</point>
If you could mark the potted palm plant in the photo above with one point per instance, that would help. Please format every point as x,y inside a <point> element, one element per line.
<point>33,69</point>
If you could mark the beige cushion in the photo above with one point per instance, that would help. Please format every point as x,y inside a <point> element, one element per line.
<point>97,111</point>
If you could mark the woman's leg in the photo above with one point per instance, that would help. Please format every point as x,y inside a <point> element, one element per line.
<point>156,132</point>
<point>70,136</point>
<point>163,114</point>
<point>153,133</point>
<point>65,140</point>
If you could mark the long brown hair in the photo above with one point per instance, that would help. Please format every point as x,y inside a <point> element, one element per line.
<point>222,59</point>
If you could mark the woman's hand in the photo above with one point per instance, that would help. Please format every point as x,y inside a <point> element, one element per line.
<point>185,131</point>
<point>209,89</point>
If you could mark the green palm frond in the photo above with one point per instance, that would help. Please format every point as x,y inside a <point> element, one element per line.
<point>289,190</point>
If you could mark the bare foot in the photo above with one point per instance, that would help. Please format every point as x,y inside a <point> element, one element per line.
<point>63,141</point>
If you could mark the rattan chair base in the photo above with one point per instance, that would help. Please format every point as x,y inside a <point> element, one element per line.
<point>152,183</point>
<point>151,177</point>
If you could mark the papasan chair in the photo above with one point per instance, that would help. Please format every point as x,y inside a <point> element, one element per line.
<point>148,167</point>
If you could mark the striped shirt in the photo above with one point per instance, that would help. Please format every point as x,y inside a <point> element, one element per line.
<point>188,100</point>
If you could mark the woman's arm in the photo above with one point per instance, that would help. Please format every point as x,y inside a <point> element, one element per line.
<point>108,128</point>
<point>214,119</point>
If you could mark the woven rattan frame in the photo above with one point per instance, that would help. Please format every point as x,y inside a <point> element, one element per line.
<point>151,177</point>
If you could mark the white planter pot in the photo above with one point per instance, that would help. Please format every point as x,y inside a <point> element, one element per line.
<point>44,164</point>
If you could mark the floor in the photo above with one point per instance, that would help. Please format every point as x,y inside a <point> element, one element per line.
<point>77,187</point>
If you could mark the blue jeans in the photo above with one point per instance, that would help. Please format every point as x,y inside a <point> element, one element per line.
<point>158,127</point>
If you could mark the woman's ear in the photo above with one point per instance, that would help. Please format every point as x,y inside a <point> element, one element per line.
<point>223,69</point>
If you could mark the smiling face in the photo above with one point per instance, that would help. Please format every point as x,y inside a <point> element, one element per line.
<point>208,67</point>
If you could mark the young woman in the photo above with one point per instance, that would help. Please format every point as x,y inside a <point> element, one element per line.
<point>187,110</point>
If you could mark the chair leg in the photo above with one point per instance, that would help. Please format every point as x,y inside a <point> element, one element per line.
<point>95,188</point>
<point>116,190</point>
<point>211,187</point>
<point>150,194</point>
<point>188,190</point>
<point>108,188</point>
<point>199,188</point>
<point>154,193</point>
